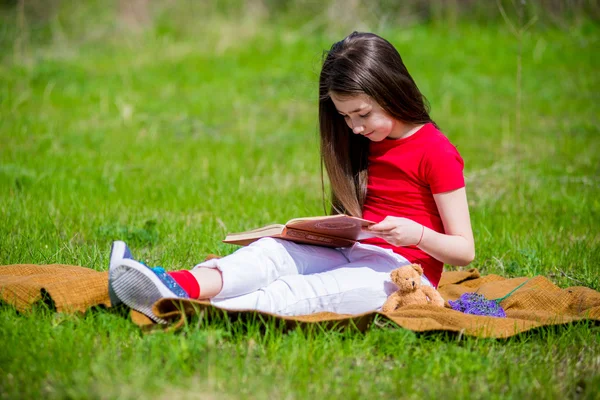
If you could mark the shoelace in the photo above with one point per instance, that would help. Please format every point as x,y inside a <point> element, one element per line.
<point>168,280</point>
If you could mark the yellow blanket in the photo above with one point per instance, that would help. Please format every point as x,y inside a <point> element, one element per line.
<point>538,303</point>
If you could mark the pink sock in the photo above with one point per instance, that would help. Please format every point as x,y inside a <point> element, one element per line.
<point>186,280</point>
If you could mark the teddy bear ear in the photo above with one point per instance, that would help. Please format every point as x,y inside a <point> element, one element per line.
<point>418,268</point>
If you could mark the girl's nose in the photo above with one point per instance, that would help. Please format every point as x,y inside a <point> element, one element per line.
<point>358,129</point>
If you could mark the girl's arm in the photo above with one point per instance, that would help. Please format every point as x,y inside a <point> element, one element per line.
<point>456,247</point>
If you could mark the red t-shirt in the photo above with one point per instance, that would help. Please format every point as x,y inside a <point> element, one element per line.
<point>404,174</point>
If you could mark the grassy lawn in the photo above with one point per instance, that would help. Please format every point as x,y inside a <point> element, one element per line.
<point>172,135</point>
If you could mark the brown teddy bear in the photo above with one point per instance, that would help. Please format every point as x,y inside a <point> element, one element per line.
<point>410,291</point>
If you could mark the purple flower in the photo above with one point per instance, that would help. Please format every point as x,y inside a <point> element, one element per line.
<point>477,304</point>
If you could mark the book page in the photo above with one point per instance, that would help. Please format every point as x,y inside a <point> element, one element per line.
<point>269,230</point>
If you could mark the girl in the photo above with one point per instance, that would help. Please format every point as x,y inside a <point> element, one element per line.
<point>386,161</point>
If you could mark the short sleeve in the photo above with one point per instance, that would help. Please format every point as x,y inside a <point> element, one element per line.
<point>443,167</point>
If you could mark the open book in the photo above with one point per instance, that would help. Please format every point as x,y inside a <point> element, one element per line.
<point>330,231</point>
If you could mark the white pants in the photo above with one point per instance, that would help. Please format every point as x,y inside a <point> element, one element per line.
<point>286,278</point>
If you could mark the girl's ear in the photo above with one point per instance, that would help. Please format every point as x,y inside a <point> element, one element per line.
<point>418,268</point>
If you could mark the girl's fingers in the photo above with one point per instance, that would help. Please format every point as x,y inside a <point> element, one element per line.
<point>382,227</point>
<point>382,235</point>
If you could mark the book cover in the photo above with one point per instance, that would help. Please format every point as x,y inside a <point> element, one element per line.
<point>330,231</point>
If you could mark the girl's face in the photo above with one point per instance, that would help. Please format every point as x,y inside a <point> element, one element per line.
<point>365,117</point>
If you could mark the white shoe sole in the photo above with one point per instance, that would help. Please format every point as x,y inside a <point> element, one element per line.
<point>138,287</point>
<point>117,251</point>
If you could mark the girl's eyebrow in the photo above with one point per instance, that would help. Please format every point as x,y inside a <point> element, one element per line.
<point>353,111</point>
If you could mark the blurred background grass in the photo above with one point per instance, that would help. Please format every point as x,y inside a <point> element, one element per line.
<point>170,123</point>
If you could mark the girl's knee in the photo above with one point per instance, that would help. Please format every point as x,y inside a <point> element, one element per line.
<point>267,243</point>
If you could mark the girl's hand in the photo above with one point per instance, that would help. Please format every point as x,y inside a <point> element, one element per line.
<point>398,231</point>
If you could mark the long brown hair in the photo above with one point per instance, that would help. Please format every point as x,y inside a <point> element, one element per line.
<point>361,63</point>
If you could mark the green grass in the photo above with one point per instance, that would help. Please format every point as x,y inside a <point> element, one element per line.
<point>172,136</point>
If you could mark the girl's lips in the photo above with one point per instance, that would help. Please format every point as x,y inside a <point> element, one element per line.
<point>369,134</point>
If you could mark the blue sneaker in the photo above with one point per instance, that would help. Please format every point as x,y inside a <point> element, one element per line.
<point>118,251</point>
<point>139,286</point>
